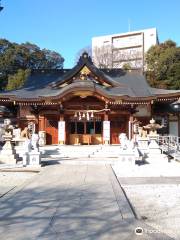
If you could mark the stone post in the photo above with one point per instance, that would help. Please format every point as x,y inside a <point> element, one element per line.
<point>7,154</point>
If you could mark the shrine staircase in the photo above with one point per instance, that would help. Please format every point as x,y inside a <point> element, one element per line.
<point>81,154</point>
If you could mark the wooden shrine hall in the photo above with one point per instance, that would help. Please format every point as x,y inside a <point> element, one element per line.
<point>87,105</point>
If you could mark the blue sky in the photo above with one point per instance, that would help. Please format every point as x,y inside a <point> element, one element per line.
<point>66,26</point>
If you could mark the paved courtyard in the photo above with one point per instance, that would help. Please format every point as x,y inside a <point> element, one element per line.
<point>9,181</point>
<point>71,202</point>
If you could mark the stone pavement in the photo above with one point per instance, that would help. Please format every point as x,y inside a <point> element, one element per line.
<point>156,199</point>
<point>9,180</point>
<point>70,202</point>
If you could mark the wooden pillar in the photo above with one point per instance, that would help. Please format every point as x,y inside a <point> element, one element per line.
<point>41,123</point>
<point>61,118</point>
<point>105,141</point>
<point>105,117</point>
<point>38,122</point>
<point>149,108</point>
<point>130,127</point>
<point>18,116</point>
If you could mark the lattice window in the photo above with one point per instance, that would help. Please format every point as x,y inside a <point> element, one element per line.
<point>52,123</point>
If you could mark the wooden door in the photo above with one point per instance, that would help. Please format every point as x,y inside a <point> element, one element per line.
<point>118,126</point>
<point>51,130</point>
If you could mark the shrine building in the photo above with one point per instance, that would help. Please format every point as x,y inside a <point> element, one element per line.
<point>87,105</point>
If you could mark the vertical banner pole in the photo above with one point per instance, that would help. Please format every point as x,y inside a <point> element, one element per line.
<point>106,132</point>
<point>61,132</point>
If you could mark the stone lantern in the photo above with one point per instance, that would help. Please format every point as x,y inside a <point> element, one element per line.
<point>152,127</point>
<point>7,154</point>
<point>154,148</point>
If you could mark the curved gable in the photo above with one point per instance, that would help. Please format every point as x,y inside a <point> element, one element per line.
<point>85,70</point>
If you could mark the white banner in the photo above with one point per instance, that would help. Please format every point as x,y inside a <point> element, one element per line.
<point>106,130</point>
<point>61,131</point>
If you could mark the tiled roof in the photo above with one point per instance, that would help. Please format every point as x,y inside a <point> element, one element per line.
<point>123,83</point>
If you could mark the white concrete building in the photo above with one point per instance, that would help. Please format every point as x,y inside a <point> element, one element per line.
<point>115,50</point>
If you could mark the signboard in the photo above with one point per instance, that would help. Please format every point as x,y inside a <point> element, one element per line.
<point>106,130</point>
<point>61,131</point>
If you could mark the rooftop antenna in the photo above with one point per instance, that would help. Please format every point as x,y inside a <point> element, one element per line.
<point>129,25</point>
<point>1,8</point>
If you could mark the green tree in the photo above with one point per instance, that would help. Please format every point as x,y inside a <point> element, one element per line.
<point>17,80</point>
<point>163,65</point>
<point>127,66</point>
<point>24,56</point>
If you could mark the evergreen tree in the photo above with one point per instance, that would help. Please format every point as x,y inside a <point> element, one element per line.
<point>163,65</point>
<point>15,56</point>
<point>17,80</point>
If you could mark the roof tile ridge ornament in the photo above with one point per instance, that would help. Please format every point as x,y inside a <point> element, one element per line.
<point>1,8</point>
<point>84,58</point>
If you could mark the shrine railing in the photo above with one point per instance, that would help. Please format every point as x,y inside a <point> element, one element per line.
<point>170,145</point>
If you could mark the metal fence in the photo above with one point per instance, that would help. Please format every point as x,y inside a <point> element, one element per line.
<point>170,145</point>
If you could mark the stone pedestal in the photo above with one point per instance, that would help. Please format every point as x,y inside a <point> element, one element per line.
<point>143,145</point>
<point>33,154</point>
<point>155,154</point>
<point>24,157</point>
<point>42,138</point>
<point>34,142</point>
<point>127,157</point>
<point>28,151</point>
<point>153,137</point>
<point>7,154</point>
<point>154,147</point>
<point>23,146</point>
<point>34,158</point>
<point>19,145</point>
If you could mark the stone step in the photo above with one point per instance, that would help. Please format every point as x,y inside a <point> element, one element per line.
<point>95,152</point>
<point>83,161</point>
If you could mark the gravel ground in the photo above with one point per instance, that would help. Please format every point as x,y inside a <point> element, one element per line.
<point>156,200</point>
<point>158,168</point>
<point>158,205</point>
